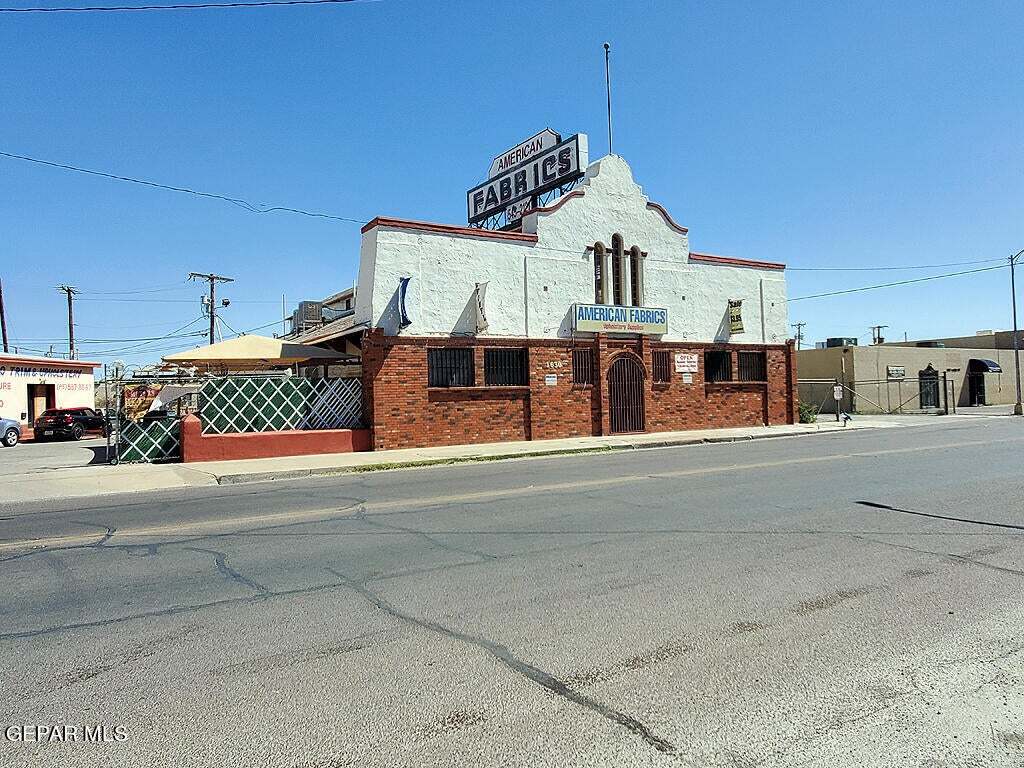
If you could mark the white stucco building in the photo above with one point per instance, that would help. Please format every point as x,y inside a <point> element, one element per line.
<point>604,269</point>
<point>532,278</point>
<point>29,385</point>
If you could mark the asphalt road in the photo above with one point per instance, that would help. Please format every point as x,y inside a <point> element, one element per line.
<point>33,456</point>
<point>842,600</point>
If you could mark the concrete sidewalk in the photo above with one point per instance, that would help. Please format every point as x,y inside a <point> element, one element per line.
<point>102,479</point>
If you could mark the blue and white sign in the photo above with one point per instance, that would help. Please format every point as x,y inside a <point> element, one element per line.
<point>601,318</point>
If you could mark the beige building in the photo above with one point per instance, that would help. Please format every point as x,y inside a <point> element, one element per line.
<point>907,376</point>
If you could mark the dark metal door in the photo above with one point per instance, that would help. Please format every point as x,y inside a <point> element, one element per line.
<point>626,395</point>
<point>928,383</point>
<point>976,388</point>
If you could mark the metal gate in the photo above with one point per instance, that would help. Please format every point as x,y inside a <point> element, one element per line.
<point>626,395</point>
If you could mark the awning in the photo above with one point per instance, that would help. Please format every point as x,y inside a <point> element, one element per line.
<point>246,352</point>
<point>979,365</point>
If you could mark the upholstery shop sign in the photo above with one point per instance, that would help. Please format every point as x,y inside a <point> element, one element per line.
<point>536,175</point>
<point>601,318</point>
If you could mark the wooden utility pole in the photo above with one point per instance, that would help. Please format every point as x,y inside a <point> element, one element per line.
<point>3,317</point>
<point>799,335</point>
<point>876,333</point>
<point>70,290</point>
<point>213,280</point>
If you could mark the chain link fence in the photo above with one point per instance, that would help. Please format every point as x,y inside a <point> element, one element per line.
<point>917,394</point>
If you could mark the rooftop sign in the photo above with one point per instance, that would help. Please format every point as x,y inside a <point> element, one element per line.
<point>541,172</point>
<point>544,140</point>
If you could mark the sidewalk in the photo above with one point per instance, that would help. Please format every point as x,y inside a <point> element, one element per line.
<point>102,479</point>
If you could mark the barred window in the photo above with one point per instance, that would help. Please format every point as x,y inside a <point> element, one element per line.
<point>583,366</point>
<point>660,360</point>
<point>599,276</point>
<point>752,366</point>
<point>717,366</point>
<point>450,367</point>
<point>505,367</point>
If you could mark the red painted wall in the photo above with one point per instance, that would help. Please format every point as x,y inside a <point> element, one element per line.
<point>196,446</point>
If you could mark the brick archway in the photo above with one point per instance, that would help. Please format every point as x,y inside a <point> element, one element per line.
<point>626,394</point>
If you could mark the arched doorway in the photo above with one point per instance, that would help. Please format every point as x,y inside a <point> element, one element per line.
<point>928,380</point>
<point>626,395</point>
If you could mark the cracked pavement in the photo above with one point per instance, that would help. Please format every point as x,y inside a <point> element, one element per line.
<point>844,599</point>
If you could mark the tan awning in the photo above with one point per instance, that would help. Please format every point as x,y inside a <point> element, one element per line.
<point>253,352</point>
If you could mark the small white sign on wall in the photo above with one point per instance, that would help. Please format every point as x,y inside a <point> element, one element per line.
<point>686,363</point>
<point>687,378</point>
<point>551,379</point>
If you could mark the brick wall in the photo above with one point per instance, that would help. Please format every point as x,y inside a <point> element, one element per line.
<point>403,412</point>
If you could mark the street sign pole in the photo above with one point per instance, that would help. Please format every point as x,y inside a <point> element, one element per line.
<point>1018,409</point>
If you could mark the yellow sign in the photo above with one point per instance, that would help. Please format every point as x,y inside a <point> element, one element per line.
<point>735,316</point>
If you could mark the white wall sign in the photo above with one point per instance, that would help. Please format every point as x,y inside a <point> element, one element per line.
<point>544,140</point>
<point>686,363</point>
<point>687,378</point>
<point>541,173</point>
<point>602,318</point>
<point>551,379</point>
<point>896,372</point>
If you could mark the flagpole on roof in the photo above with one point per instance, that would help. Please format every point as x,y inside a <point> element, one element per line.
<point>608,89</point>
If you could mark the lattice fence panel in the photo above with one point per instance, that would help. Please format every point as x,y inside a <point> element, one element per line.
<point>268,404</point>
<point>149,441</point>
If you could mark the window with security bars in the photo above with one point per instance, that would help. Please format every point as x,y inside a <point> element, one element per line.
<point>450,367</point>
<point>505,367</point>
<point>717,366</point>
<point>660,366</point>
<point>583,366</point>
<point>752,366</point>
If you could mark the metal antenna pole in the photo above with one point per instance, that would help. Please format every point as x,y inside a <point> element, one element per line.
<point>608,88</point>
<point>1018,408</point>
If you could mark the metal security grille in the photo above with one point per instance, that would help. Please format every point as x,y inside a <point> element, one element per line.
<point>271,404</point>
<point>752,366</point>
<point>717,366</point>
<point>450,367</point>
<point>583,366</point>
<point>505,367</point>
<point>660,366</point>
<point>150,441</point>
<point>626,395</point>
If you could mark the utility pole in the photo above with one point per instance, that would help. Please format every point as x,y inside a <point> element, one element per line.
<point>3,317</point>
<point>876,333</point>
<point>799,335</point>
<point>608,88</point>
<point>1018,408</point>
<point>213,280</point>
<point>70,290</point>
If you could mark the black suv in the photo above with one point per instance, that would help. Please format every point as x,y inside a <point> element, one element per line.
<point>69,422</point>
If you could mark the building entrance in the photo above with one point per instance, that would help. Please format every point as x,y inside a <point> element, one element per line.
<point>626,395</point>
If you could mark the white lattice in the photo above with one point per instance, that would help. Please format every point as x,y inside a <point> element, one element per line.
<point>271,404</point>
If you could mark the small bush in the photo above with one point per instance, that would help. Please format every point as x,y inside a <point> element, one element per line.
<point>807,413</point>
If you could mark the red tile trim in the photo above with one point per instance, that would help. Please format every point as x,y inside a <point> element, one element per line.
<point>668,219</point>
<point>732,262</point>
<point>52,362</point>
<point>447,229</point>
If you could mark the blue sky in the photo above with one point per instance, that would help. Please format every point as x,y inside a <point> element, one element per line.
<point>818,134</point>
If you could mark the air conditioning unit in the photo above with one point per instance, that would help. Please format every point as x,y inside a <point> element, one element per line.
<point>311,311</point>
<point>309,314</point>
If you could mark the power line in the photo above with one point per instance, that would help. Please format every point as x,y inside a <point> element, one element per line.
<point>175,6</point>
<point>883,269</point>
<point>244,204</point>
<point>898,282</point>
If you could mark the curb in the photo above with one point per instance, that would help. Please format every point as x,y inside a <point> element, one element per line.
<point>291,474</point>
